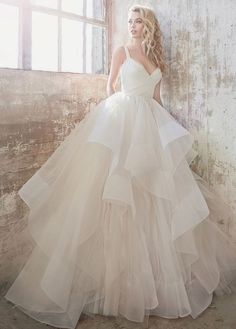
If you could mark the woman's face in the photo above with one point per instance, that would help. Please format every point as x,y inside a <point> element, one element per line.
<point>135,25</point>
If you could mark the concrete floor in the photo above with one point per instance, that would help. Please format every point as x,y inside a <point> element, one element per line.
<point>221,314</point>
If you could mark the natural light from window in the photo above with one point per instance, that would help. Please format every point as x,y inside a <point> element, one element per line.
<point>9,21</point>
<point>73,6</point>
<point>44,42</point>
<point>46,3</point>
<point>53,35</point>
<point>72,45</point>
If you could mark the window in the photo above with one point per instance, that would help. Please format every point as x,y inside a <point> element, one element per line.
<point>55,35</point>
<point>9,36</point>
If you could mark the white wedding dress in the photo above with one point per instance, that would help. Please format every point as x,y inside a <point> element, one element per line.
<point>122,225</point>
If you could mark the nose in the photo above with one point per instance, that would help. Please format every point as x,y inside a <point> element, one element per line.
<point>132,24</point>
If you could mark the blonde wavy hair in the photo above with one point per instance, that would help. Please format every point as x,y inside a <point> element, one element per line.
<point>152,36</point>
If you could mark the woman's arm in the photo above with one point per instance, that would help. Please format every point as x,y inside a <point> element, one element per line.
<point>157,93</point>
<point>117,60</point>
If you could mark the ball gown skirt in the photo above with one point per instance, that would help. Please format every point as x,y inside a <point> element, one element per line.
<point>122,226</point>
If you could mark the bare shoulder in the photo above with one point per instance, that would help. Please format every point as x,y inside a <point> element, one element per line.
<point>120,50</point>
<point>119,54</point>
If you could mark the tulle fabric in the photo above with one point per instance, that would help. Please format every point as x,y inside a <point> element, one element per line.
<point>122,226</point>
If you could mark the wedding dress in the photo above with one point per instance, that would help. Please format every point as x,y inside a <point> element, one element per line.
<point>121,223</point>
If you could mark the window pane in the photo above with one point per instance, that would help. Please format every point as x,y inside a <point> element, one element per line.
<point>95,49</point>
<point>9,22</point>
<point>95,9</point>
<point>73,6</point>
<point>72,45</point>
<point>45,3</point>
<point>44,42</point>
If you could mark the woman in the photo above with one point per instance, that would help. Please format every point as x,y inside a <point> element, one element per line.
<point>122,225</point>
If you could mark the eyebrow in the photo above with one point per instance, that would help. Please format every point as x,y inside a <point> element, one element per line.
<point>135,19</point>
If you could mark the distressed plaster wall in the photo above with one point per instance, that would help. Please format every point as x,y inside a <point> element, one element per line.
<point>37,111</point>
<point>199,88</point>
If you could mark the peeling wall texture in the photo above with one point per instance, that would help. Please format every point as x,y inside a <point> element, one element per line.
<point>37,111</point>
<point>199,89</point>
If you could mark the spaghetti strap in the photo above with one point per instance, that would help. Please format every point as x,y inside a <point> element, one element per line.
<point>127,52</point>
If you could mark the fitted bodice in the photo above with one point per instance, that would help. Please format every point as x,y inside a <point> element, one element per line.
<point>135,80</point>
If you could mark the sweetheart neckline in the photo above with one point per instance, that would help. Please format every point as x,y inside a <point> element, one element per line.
<point>140,64</point>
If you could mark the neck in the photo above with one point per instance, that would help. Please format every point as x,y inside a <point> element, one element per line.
<point>136,42</point>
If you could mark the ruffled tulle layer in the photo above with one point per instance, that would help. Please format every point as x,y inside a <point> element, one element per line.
<point>121,224</point>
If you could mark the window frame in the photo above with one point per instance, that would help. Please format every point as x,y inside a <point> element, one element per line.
<point>25,30</point>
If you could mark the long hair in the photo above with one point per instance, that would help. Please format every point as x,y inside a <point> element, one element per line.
<point>152,36</point>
